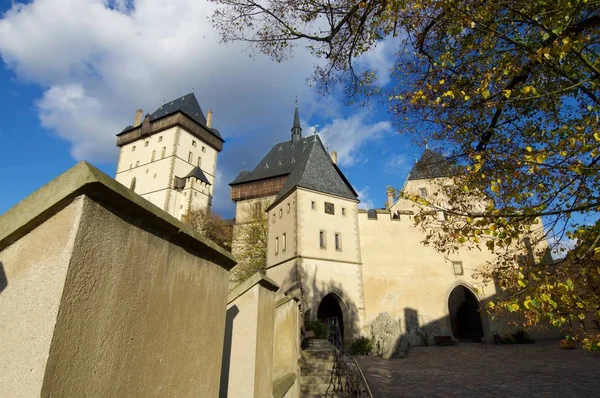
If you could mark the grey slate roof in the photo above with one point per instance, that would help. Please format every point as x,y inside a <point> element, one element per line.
<point>199,174</point>
<point>431,165</point>
<point>188,104</point>
<point>308,166</point>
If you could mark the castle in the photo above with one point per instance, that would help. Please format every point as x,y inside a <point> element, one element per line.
<point>105,292</point>
<point>365,268</point>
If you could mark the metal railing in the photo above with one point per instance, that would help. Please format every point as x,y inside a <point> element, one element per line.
<point>347,377</point>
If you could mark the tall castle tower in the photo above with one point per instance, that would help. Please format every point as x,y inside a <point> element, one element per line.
<point>170,157</point>
<point>313,247</point>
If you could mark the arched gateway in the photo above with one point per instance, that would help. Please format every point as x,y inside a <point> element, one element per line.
<point>331,307</point>
<point>465,318</point>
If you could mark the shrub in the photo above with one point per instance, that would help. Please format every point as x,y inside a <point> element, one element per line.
<point>521,336</point>
<point>316,326</point>
<point>361,346</point>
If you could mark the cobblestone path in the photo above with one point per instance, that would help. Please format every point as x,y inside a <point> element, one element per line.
<point>467,370</point>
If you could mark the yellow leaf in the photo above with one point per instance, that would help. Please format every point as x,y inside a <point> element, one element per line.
<point>526,89</point>
<point>597,136</point>
<point>507,93</point>
<point>485,94</point>
<point>529,149</point>
<point>442,81</point>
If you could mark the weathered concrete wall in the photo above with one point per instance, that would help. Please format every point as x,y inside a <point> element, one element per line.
<point>35,268</point>
<point>286,350</point>
<point>133,301</point>
<point>139,315</point>
<point>247,367</point>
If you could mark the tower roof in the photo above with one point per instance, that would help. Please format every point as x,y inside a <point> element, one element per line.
<point>307,165</point>
<point>430,165</point>
<point>198,174</point>
<point>296,129</point>
<point>188,105</point>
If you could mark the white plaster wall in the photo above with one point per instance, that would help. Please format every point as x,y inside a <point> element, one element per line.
<point>154,178</point>
<point>312,221</point>
<point>401,274</point>
<point>282,219</point>
<point>36,268</point>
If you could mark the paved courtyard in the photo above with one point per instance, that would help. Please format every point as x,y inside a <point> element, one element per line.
<point>467,370</point>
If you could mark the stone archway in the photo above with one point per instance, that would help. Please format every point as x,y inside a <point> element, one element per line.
<point>332,306</point>
<point>465,317</point>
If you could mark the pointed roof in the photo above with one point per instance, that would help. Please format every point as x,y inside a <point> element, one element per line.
<point>199,174</point>
<point>307,165</point>
<point>296,124</point>
<point>188,105</point>
<point>430,165</point>
<point>316,171</point>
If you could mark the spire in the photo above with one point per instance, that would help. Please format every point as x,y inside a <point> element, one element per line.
<point>296,129</point>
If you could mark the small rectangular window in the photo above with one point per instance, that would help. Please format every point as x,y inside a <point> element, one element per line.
<point>163,152</point>
<point>458,267</point>
<point>322,240</point>
<point>153,155</point>
<point>193,143</point>
<point>276,245</point>
<point>329,208</point>
<point>199,161</point>
<point>190,156</point>
<point>204,149</point>
<point>133,149</point>
<point>280,213</point>
<point>137,163</point>
<point>313,205</point>
<point>146,143</point>
<point>422,192</point>
<point>258,208</point>
<point>288,207</point>
<point>343,211</point>
<point>338,242</point>
<point>273,217</point>
<point>160,138</point>
<point>284,243</point>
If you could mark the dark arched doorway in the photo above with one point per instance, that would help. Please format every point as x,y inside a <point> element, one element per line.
<point>465,318</point>
<point>330,308</point>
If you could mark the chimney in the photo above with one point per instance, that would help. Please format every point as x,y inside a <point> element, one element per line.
<point>390,197</point>
<point>209,119</point>
<point>138,118</point>
<point>334,157</point>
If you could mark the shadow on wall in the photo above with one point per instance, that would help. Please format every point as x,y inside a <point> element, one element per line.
<point>225,362</point>
<point>3,280</point>
<point>324,299</point>
<point>467,321</point>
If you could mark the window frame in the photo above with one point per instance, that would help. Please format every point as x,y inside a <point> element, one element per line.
<point>323,239</point>
<point>338,241</point>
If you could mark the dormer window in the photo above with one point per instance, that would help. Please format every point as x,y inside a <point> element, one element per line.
<point>423,192</point>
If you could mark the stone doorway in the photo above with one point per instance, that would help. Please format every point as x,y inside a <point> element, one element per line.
<point>465,318</point>
<point>331,307</point>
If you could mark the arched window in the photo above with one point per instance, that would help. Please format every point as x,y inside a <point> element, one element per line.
<point>132,186</point>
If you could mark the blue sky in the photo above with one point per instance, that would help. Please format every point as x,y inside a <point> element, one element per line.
<point>74,72</point>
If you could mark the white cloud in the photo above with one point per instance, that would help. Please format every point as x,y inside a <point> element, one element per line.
<point>100,60</point>
<point>347,136</point>
<point>365,201</point>
<point>396,163</point>
<point>381,59</point>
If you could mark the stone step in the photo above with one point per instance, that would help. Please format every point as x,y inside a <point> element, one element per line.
<point>318,355</point>
<point>316,371</point>
<point>315,379</point>
<point>317,388</point>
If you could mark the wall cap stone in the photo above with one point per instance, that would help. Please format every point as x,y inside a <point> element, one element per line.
<point>246,285</point>
<point>285,300</point>
<point>85,179</point>
<point>282,384</point>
